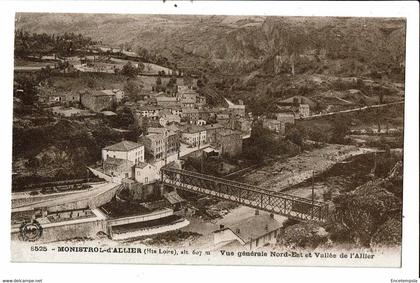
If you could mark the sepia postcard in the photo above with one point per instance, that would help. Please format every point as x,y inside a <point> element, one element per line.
<point>208,139</point>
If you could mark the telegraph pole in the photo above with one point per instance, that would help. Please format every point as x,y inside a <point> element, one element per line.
<point>313,195</point>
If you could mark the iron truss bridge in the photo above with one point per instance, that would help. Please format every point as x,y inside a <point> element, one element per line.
<point>279,203</point>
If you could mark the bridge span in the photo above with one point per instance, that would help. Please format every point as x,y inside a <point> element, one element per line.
<point>248,195</point>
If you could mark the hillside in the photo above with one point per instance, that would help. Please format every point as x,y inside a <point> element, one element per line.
<point>235,42</point>
<point>257,59</point>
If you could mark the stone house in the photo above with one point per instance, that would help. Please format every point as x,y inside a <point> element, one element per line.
<point>155,145</point>
<point>211,131</point>
<point>98,100</point>
<point>229,142</point>
<point>274,125</point>
<point>194,135</point>
<point>253,232</point>
<point>145,173</point>
<point>125,150</point>
<point>117,167</point>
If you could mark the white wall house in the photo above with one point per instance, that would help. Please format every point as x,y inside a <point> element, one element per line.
<point>194,137</point>
<point>145,173</point>
<point>126,150</point>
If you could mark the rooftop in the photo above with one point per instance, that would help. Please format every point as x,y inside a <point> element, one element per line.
<point>165,99</point>
<point>116,161</point>
<point>173,197</point>
<point>228,132</point>
<point>213,126</point>
<point>123,146</point>
<point>193,129</point>
<point>142,165</point>
<point>155,137</point>
<point>254,227</point>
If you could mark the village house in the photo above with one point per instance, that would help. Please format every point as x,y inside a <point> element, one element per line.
<point>200,122</point>
<point>149,111</point>
<point>299,105</point>
<point>274,125</point>
<point>70,112</point>
<point>171,139</point>
<point>118,167</point>
<point>98,100</point>
<point>236,110</point>
<point>155,145</point>
<point>190,115</point>
<point>252,233</point>
<point>51,96</point>
<point>211,131</point>
<point>166,101</point>
<point>175,110</point>
<point>242,124</point>
<point>285,117</point>
<point>145,173</point>
<point>229,142</point>
<point>194,135</point>
<point>168,119</point>
<point>118,93</point>
<point>125,150</point>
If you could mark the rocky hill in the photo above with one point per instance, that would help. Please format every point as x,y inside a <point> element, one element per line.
<point>241,44</point>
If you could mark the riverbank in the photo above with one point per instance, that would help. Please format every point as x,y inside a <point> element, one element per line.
<point>281,175</point>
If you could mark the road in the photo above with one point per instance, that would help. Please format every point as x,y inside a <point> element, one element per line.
<point>83,198</point>
<point>315,116</point>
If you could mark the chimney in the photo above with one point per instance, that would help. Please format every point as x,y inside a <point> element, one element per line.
<point>238,231</point>
<point>221,226</point>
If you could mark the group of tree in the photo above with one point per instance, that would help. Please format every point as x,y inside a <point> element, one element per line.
<point>132,89</point>
<point>130,70</point>
<point>35,44</point>
<point>26,85</point>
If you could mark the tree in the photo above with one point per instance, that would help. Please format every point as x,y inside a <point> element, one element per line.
<point>26,89</point>
<point>341,127</point>
<point>132,90</point>
<point>140,67</point>
<point>130,70</point>
<point>260,145</point>
<point>296,135</point>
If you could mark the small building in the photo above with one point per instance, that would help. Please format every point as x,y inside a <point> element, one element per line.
<point>145,173</point>
<point>298,99</point>
<point>118,93</point>
<point>285,117</point>
<point>155,145</point>
<point>236,110</point>
<point>194,135</point>
<point>126,150</point>
<point>165,101</point>
<point>117,167</point>
<point>149,111</point>
<point>253,232</point>
<point>229,142</point>
<point>200,122</point>
<point>274,125</point>
<point>174,200</point>
<point>98,100</point>
<point>190,114</point>
<point>168,119</point>
<point>70,112</point>
<point>242,124</point>
<point>304,110</point>
<point>211,131</point>
<point>171,139</point>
